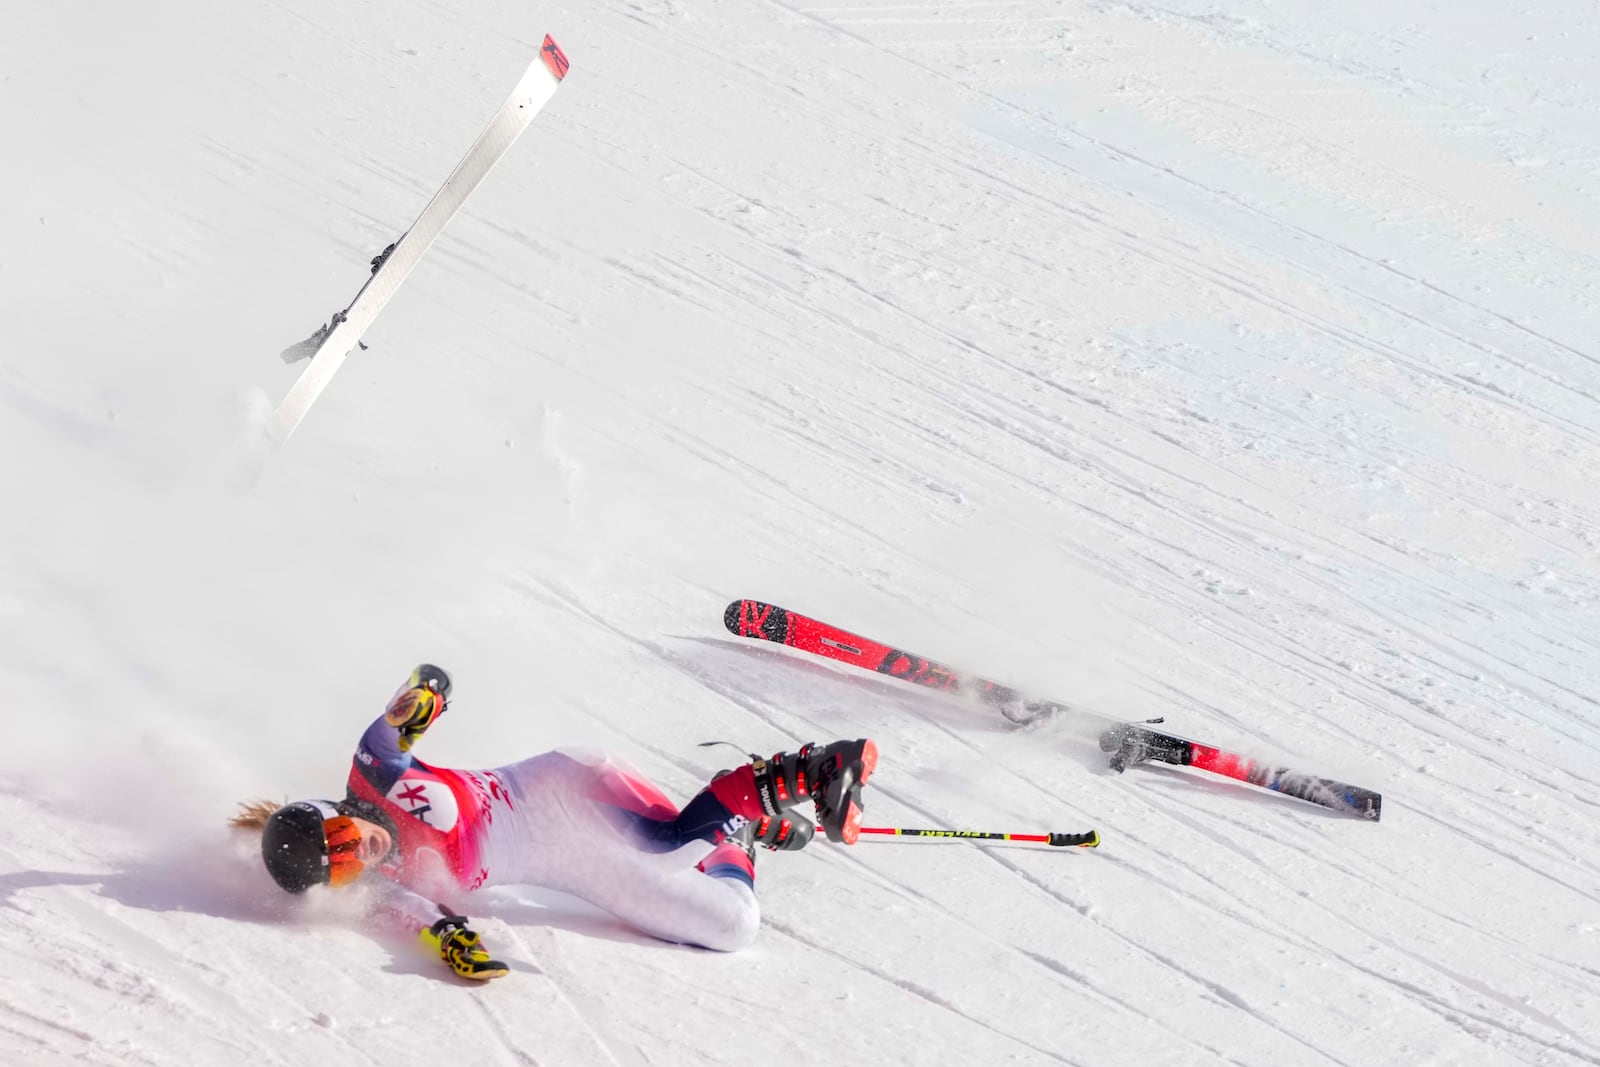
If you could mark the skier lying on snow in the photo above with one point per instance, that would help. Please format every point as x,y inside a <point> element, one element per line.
<point>580,825</point>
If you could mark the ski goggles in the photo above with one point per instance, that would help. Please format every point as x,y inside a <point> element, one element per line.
<point>344,850</point>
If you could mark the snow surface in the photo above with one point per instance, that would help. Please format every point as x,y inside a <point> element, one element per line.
<point>1234,363</point>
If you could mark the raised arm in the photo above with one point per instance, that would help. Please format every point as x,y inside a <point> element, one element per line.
<point>422,699</point>
<point>385,750</point>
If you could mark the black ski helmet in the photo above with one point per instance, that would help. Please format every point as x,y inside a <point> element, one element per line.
<point>293,846</point>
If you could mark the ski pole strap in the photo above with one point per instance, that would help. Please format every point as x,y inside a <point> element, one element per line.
<point>1090,839</point>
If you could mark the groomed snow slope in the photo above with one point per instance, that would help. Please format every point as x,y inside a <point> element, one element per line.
<point>1233,363</point>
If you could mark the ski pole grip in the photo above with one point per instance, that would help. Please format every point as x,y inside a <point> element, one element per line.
<point>1088,840</point>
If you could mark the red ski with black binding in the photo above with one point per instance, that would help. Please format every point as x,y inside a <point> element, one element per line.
<point>1127,743</point>
<point>1134,743</point>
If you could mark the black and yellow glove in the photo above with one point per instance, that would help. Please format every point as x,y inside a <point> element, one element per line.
<point>414,706</point>
<point>462,949</point>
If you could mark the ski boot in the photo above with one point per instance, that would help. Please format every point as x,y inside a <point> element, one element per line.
<point>830,776</point>
<point>779,833</point>
<point>735,792</point>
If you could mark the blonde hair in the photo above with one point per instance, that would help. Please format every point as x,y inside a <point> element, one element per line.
<point>253,814</point>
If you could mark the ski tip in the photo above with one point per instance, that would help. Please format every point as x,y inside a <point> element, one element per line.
<point>554,58</point>
<point>757,619</point>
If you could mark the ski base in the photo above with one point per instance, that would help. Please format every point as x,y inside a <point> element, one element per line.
<point>327,348</point>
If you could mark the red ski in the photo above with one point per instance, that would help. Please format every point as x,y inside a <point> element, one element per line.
<point>1133,743</point>
<point>768,622</point>
<point>1126,742</point>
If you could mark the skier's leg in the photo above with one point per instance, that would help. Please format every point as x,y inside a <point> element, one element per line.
<point>640,807</point>
<point>711,904</point>
<point>631,791</point>
<point>705,818</point>
<point>602,833</point>
<point>605,834</point>
<point>762,796</point>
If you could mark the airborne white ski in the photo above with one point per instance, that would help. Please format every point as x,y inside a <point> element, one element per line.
<point>331,343</point>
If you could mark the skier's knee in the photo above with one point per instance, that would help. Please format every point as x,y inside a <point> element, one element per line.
<point>737,931</point>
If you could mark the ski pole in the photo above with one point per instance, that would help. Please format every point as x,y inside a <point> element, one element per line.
<point>1084,840</point>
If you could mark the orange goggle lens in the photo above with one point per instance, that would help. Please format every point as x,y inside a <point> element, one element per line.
<point>344,850</point>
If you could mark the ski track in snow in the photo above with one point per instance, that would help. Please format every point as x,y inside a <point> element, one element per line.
<point>1232,366</point>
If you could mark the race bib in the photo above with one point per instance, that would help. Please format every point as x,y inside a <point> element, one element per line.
<point>426,800</point>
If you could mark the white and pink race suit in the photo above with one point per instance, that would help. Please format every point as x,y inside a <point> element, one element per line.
<point>576,823</point>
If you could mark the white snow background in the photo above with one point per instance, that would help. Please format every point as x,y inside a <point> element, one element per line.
<point>1236,363</point>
